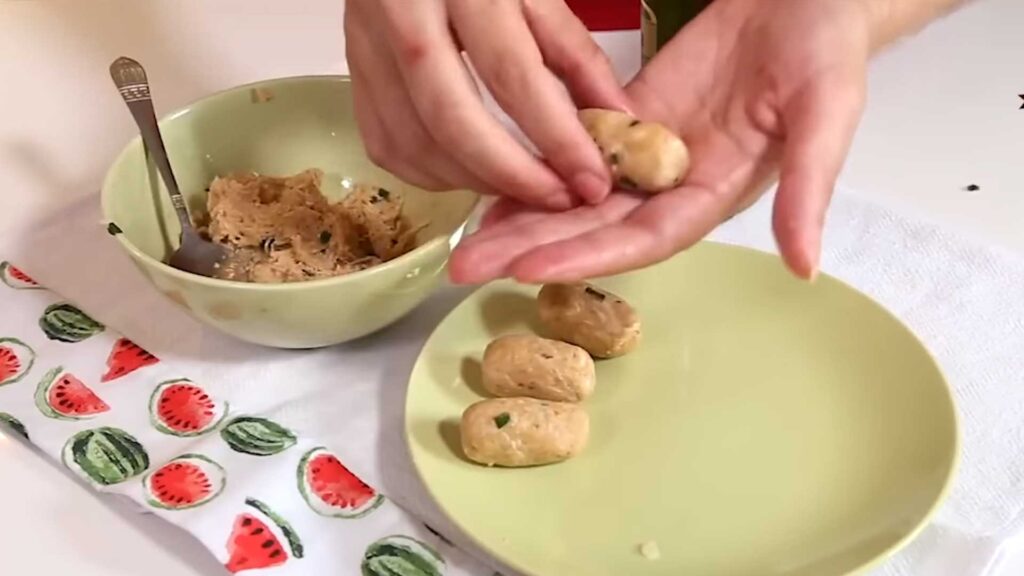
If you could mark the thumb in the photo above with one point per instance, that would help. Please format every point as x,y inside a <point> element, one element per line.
<point>819,122</point>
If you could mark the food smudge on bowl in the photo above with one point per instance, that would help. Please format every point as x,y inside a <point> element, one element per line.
<point>283,229</point>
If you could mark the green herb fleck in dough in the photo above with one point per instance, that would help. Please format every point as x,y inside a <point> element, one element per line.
<point>627,183</point>
<point>325,237</point>
<point>502,420</point>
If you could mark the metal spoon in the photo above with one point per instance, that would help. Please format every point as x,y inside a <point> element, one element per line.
<point>194,254</point>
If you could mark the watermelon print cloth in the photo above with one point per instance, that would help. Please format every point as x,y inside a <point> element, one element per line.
<point>263,498</point>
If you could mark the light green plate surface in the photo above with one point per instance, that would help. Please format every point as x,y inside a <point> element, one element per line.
<point>765,427</point>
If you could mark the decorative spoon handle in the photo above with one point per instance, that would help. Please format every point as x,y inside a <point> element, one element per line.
<point>130,78</point>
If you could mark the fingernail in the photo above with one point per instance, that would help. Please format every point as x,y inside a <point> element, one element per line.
<point>813,275</point>
<point>591,187</point>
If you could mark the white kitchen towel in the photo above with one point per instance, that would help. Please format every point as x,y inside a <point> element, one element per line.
<point>261,496</point>
<point>963,300</point>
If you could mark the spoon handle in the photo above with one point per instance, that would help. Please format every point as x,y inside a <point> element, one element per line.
<point>130,78</point>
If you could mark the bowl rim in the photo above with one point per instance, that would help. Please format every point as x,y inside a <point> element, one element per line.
<point>105,194</point>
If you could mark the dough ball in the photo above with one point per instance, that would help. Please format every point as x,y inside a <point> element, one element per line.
<point>598,321</point>
<point>516,432</point>
<point>643,156</point>
<point>528,365</point>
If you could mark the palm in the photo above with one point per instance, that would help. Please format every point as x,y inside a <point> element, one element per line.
<point>751,92</point>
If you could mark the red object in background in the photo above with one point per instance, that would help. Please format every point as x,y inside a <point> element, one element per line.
<point>606,15</point>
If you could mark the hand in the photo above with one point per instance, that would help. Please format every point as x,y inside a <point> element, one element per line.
<point>755,90</point>
<point>422,118</point>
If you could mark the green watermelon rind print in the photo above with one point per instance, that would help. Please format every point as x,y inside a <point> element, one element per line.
<point>16,284</point>
<point>401,555</point>
<point>116,456</point>
<point>294,542</point>
<point>300,474</point>
<point>21,347</point>
<point>156,503</point>
<point>43,390</point>
<point>43,401</point>
<point>14,424</point>
<point>65,322</point>
<point>157,423</point>
<point>257,436</point>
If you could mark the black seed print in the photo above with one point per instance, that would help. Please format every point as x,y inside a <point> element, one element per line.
<point>267,543</point>
<point>275,553</point>
<point>257,532</point>
<point>246,522</point>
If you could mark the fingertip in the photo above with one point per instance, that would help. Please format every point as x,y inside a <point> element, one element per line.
<point>799,246</point>
<point>462,270</point>
<point>591,187</point>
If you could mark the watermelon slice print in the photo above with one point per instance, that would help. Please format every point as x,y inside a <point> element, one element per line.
<point>125,358</point>
<point>16,359</point>
<point>188,481</point>
<point>183,408</point>
<point>401,556</point>
<point>14,424</point>
<point>62,396</point>
<point>255,540</point>
<point>331,489</point>
<point>15,278</point>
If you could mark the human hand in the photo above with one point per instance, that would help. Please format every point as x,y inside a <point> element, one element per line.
<point>422,118</point>
<point>755,90</point>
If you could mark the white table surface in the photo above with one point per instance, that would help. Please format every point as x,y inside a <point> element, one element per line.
<point>942,114</point>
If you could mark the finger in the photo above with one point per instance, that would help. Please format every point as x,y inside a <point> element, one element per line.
<point>820,122</point>
<point>377,142</point>
<point>674,85</point>
<point>501,210</point>
<point>510,64</point>
<point>403,145</point>
<point>570,51</point>
<point>488,255</point>
<point>447,102</point>
<point>664,225</point>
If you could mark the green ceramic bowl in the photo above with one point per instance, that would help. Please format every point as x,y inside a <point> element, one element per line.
<point>277,126</point>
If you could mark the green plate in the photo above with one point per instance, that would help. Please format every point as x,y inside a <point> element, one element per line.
<point>765,427</point>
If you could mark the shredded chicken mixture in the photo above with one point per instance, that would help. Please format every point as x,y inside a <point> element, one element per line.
<point>283,229</point>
